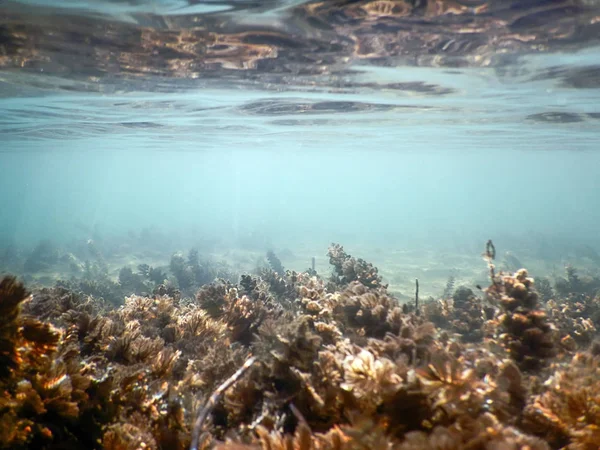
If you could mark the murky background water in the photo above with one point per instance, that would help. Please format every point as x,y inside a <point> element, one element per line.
<point>409,131</point>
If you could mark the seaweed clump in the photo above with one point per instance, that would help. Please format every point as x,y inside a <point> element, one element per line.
<point>191,273</point>
<point>42,389</point>
<point>463,314</point>
<point>43,257</point>
<point>527,335</point>
<point>275,263</point>
<point>348,269</point>
<point>567,412</point>
<point>154,274</point>
<point>468,315</point>
<point>577,287</point>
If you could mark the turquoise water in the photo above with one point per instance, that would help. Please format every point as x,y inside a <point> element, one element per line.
<point>369,223</point>
<point>293,144</point>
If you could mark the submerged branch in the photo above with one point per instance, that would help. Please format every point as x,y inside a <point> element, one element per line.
<point>214,398</point>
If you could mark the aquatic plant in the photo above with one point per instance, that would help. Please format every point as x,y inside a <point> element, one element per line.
<point>154,274</point>
<point>566,414</point>
<point>577,321</point>
<point>281,360</point>
<point>191,273</point>
<point>374,313</point>
<point>242,313</point>
<point>98,263</point>
<point>43,257</point>
<point>50,304</point>
<point>43,391</point>
<point>511,262</point>
<point>11,258</point>
<point>183,273</point>
<point>275,263</point>
<point>102,289</point>
<point>576,286</point>
<point>464,314</point>
<point>527,335</point>
<point>544,289</point>
<point>133,283</point>
<point>449,289</point>
<point>589,252</point>
<point>348,269</point>
<point>93,271</point>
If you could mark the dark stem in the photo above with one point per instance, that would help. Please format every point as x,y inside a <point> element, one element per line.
<point>214,398</point>
<point>490,254</point>
<point>417,297</point>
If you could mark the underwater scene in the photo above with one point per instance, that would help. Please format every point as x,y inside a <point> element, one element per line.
<point>299,224</point>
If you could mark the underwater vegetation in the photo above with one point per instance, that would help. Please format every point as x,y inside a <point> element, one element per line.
<point>44,256</point>
<point>575,285</point>
<point>275,262</point>
<point>289,359</point>
<point>89,272</point>
<point>348,269</point>
<point>97,283</point>
<point>191,273</point>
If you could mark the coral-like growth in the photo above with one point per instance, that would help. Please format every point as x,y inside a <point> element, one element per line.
<point>43,257</point>
<point>372,313</point>
<point>484,433</point>
<point>12,295</point>
<point>133,283</point>
<point>567,413</point>
<point>191,273</point>
<point>363,435</point>
<point>288,360</point>
<point>154,274</point>
<point>578,286</point>
<point>349,269</point>
<point>41,384</point>
<point>544,289</point>
<point>463,314</point>
<point>275,263</point>
<point>468,315</point>
<point>527,335</point>
<point>575,322</point>
<point>242,313</point>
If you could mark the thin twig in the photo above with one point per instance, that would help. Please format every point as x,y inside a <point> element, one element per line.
<point>214,398</point>
<point>490,250</point>
<point>298,415</point>
<point>490,254</point>
<point>417,297</point>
